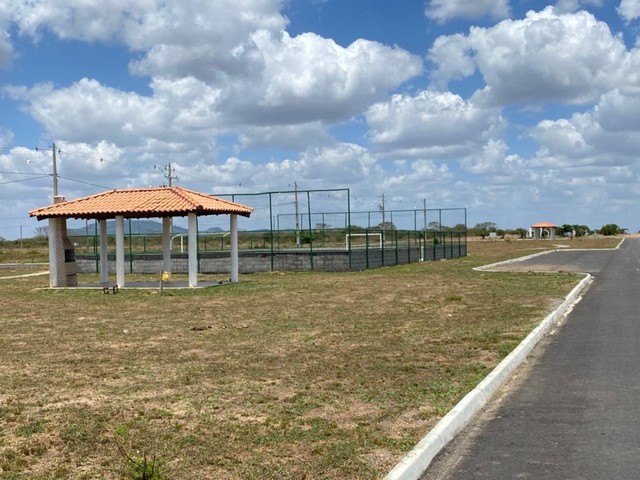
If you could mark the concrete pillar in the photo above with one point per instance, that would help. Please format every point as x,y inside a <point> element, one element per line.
<point>166,244</point>
<point>104,252</point>
<point>62,265</point>
<point>193,250</point>
<point>120,281</point>
<point>233,228</point>
<point>55,247</point>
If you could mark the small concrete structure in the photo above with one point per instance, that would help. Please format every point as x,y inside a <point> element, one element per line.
<point>544,230</point>
<point>162,202</point>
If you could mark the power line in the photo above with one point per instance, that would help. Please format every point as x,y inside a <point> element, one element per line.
<point>86,183</point>
<point>18,173</point>
<point>208,180</point>
<point>23,179</point>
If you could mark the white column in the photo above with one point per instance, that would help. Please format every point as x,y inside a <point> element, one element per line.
<point>53,252</point>
<point>120,251</point>
<point>193,250</point>
<point>166,244</point>
<point>233,227</point>
<point>104,252</point>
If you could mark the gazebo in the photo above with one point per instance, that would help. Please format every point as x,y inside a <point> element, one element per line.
<point>161,202</point>
<point>544,230</point>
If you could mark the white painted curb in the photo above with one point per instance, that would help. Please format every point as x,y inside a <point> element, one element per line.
<point>415,463</point>
<point>25,275</point>
<point>514,260</point>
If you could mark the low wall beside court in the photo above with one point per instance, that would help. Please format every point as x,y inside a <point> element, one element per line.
<point>251,261</point>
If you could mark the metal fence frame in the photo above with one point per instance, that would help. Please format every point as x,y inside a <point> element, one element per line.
<point>399,245</point>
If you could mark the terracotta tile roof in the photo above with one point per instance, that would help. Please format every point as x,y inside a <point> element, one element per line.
<point>142,203</point>
<point>544,225</point>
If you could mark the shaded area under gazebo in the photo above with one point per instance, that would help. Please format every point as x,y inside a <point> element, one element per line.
<point>161,202</point>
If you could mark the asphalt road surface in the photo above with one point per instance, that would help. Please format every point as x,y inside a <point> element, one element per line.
<point>573,410</point>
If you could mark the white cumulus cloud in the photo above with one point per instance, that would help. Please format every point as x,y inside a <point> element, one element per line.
<point>310,78</point>
<point>444,10</point>
<point>228,62</point>
<point>602,137</point>
<point>181,111</point>
<point>547,56</point>
<point>629,9</point>
<point>566,6</point>
<point>430,124</point>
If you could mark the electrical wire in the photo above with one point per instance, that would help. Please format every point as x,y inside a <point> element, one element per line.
<point>17,173</point>
<point>204,180</point>
<point>85,183</point>
<point>24,179</point>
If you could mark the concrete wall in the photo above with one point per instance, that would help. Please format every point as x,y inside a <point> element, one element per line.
<point>264,261</point>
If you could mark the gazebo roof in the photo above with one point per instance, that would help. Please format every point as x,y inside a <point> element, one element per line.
<point>142,203</point>
<point>544,225</point>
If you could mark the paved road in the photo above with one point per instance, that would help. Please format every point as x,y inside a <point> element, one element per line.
<point>585,261</point>
<point>573,411</point>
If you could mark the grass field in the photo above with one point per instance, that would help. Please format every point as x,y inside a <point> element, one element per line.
<point>305,375</point>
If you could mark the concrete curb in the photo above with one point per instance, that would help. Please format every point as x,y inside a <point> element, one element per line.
<point>25,275</point>
<point>513,260</point>
<point>415,463</point>
<point>491,266</point>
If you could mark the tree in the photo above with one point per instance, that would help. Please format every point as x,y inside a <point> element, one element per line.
<point>485,226</point>
<point>42,232</point>
<point>610,229</point>
<point>386,226</point>
<point>566,229</point>
<point>434,226</point>
<point>579,230</point>
<point>520,232</point>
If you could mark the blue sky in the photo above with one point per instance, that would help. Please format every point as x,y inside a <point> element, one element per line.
<point>519,111</point>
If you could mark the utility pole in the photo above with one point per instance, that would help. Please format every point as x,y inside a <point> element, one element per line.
<point>169,175</point>
<point>55,173</point>
<point>381,207</point>
<point>295,187</point>
<point>424,208</point>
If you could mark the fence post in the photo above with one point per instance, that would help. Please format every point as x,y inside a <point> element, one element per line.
<point>396,242</point>
<point>310,230</point>
<point>366,247</point>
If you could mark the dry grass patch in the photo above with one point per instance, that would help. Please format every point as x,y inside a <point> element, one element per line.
<point>310,375</point>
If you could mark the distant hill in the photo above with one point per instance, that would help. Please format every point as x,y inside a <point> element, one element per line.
<point>142,227</point>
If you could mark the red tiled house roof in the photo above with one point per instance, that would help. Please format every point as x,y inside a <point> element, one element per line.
<point>544,225</point>
<point>142,203</point>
